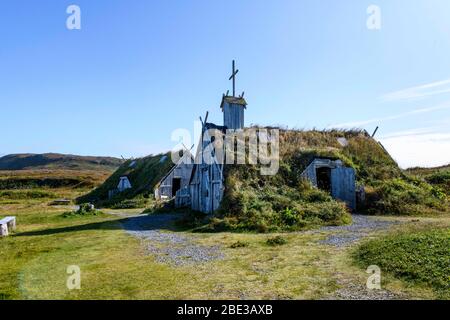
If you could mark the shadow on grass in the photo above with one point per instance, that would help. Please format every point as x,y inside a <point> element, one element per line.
<point>138,223</point>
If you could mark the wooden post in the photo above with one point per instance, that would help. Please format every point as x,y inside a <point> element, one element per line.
<point>233,77</point>
<point>12,224</point>
<point>373,134</point>
<point>3,230</point>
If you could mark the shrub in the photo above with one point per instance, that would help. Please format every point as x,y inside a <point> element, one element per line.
<point>276,241</point>
<point>239,244</point>
<point>397,196</point>
<point>289,217</point>
<point>440,177</point>
<point>275,203</point>
<point>441,180</point>
<point>85,209</point>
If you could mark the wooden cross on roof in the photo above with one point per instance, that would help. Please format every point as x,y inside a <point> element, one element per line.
<point>233,76</point>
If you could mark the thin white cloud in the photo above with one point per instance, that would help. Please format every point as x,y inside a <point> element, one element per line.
<point>417,132</point>
<point>359,124</point>
<point>418,92</point>
<point>424,147</point>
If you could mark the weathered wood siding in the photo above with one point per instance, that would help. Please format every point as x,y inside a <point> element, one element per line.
<point>181,171</point>
<point>183,198</point>
<point>343,185</point>
<point>206,188</point>
<point>310,174</point>
<point>233,116</point>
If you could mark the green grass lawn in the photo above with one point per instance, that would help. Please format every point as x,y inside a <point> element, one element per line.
<point>418,257</point>
<point>115,265</point>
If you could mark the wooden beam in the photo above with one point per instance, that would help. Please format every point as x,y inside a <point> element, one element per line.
<point>373,134</point>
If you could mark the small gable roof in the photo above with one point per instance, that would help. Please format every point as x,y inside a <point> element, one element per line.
<point>186,153</point>
<point>233,100</point>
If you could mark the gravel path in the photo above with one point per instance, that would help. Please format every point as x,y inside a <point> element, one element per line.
<point>343,236</point>
<point>180,249</point>
<point>355,291</point>
<point>169,247</point>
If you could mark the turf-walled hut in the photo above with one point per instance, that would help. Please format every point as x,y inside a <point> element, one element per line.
<point>176,181</point>
<point>332,176</point>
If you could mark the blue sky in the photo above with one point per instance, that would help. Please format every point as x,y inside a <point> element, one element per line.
<point>139,69</point>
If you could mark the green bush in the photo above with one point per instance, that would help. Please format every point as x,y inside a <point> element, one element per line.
<point>398,196</point>
<point>276,241</point>
<point>85,209</point>
<point>239,244</point>
<point>441,180</point>
<point>266,204</point>
<point>441,177</point>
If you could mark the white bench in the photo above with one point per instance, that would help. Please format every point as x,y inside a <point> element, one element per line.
<point>7,225</point>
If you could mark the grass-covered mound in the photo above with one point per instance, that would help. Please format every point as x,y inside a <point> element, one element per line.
<point>287,202</point>
<point>274,203</point>
<point>420,258</point>
<point>143,174</point>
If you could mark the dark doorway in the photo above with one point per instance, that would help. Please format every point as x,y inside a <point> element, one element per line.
<point>176,185</point>
<point>324,179</point>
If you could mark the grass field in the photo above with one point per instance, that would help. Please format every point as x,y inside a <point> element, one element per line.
<point>115,265</point>
<point>420,257</point>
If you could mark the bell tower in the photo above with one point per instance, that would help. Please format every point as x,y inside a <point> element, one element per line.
<point>233,107</point>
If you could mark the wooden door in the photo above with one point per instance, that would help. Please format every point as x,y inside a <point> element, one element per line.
<point>343,186</point>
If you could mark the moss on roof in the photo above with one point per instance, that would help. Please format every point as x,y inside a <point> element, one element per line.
<point>233,100</point>
<point>143,173</point>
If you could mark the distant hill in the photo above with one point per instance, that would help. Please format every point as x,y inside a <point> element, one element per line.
<point>426,171</point>
<point>58,161</point>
